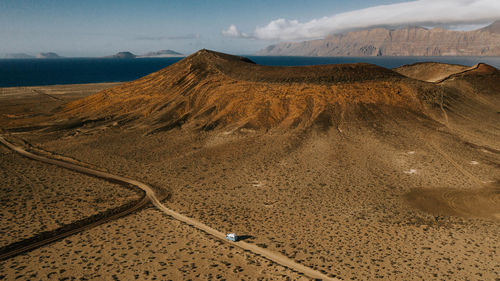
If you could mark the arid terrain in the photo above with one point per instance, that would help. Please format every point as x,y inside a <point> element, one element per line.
<point>38,197</point>
<point>357,171</point>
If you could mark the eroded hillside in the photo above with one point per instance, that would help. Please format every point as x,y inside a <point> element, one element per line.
<point>210,89</point>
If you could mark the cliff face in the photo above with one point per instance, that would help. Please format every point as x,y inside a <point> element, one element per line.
<point>410,41</point>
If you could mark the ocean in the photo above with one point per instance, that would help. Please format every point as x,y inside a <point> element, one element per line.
<point>37,72</point>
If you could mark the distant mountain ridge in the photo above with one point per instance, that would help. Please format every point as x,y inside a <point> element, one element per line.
<point>409,41</point>
<point>493,28</point>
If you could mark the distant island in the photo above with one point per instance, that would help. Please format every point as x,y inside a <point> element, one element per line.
<point>162,54</point>
<point>119,55</point>
<point>49,55</point>
<point>122,55</point>
<point>409,41</point>
<point>157,54</point>
<point>18,56</point>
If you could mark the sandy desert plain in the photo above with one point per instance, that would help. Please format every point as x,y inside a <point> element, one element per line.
<point>355,171</point>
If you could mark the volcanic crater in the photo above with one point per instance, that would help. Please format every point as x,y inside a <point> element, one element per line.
<point>210,90</point>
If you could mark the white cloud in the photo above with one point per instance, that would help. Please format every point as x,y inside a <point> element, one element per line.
<point>419,12</point>
<point>232,31</point>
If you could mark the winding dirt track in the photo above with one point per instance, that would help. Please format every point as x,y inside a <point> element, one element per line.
<point>150,194</point>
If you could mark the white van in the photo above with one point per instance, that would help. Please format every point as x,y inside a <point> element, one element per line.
<point>232,237</point>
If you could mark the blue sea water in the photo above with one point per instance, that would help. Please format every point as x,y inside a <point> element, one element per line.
<point>33,72</point>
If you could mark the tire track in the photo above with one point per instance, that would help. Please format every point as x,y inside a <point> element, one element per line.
<point>151,197</point>
<point>10,253</point>
<point>47,95</point>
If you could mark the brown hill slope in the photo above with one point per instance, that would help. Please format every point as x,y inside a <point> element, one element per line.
<point>482,78</point>
<point>210,89</point>
<point>430,71</point>
<point>470,103</point>
<point>410,41</point>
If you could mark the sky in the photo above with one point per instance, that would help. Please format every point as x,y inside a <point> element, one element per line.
<point>98,28</point>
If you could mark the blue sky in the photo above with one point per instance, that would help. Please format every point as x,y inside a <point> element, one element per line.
<point>97,28</point>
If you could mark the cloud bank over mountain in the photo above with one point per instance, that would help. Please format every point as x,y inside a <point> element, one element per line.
<point>420,12</point>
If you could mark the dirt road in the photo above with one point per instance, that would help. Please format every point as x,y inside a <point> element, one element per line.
<point>275,257</point>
